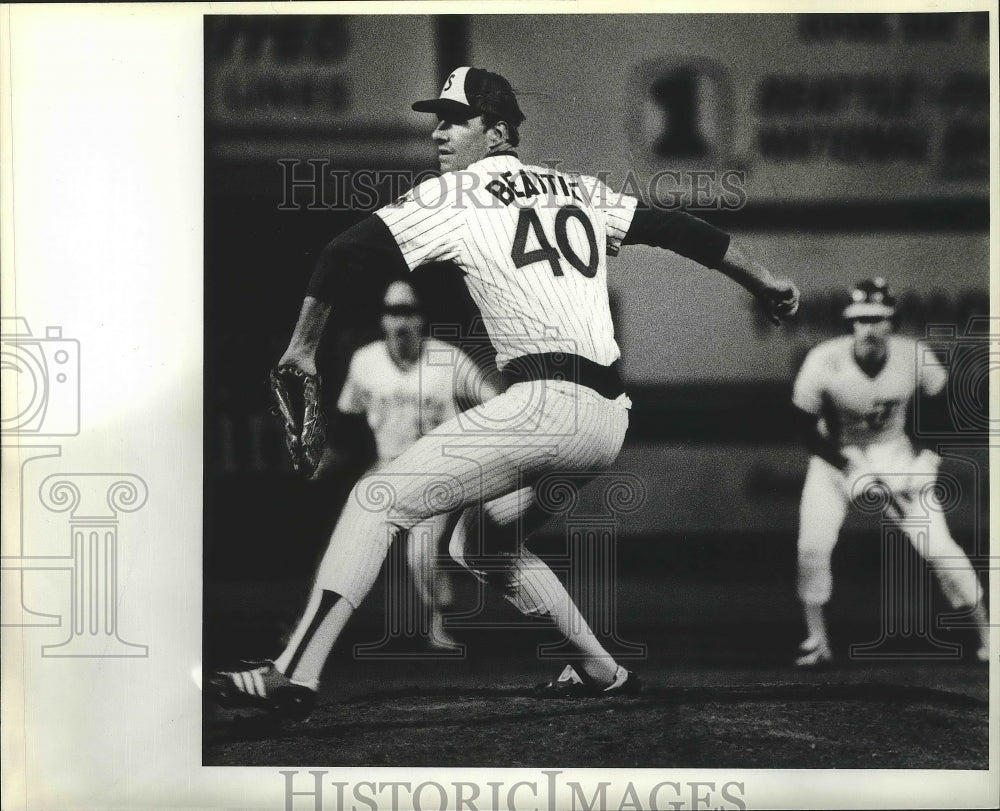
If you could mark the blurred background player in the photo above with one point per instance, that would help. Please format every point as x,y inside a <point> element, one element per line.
<point>402,397</point>
<point>853,394</point>
<point>402,393</point>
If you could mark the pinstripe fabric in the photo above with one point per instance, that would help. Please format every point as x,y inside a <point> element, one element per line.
<point>400,405</point>
<point>492,548</point>
<point>494,450</point>
<point>537,306</point>
<point>532,243</point>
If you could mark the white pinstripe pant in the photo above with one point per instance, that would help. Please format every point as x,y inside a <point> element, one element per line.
<point>491,456</point>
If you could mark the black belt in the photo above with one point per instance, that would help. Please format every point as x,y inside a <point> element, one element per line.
<point>605,380</point>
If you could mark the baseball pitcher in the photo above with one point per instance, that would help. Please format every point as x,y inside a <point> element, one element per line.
<point>532,243</point>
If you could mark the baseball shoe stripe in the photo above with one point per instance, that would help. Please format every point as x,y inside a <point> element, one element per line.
<point>258,683</point>
<point>239,679</point>
<point>328,600</point>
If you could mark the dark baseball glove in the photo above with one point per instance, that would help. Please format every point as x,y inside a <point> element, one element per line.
<point>298,395</point>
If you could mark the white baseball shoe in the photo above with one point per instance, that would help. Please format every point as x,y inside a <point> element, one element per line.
<point>815,654</point>
<point>439,638</point>
<point>572,684</point>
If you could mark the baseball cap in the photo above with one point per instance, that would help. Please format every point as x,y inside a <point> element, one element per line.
<point>469,92</point>
<point>401,299</point>
<point>871,298</point>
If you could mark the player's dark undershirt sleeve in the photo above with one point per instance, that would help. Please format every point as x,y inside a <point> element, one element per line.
<point>679,232</point>
<point>807,430</point>
<point>365,250</point>
<point>934,412</point>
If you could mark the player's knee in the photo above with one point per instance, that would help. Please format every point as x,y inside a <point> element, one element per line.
<point>466,549</point>
<point>525,599</point>
<point>490,568</point>
<point>959,583</point>
<point>478,542</point>
<point>495,570</point>
<point>404,501</point>
<point>814,551</point>
<point>815,578</point>
<point>940,545</point>
<point>461,536</point>
<point>815,592</point>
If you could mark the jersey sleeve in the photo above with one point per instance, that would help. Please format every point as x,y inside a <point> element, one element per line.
<point>367,250</point>
<point>932,376</point>
<point>471,383</point>
<point>354,397</point>
<point>679,232</point>
<point>617,209</point>
<point>427,222</point>
<point>807,393</point>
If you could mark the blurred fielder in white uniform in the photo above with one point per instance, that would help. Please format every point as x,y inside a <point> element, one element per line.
<point>532,243</point>
<point>854,394</point>
<point>406,385</point>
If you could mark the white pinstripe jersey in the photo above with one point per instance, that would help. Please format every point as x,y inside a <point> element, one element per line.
<point>865,410</point>
<point>533,244</point>
<point>403,405</point>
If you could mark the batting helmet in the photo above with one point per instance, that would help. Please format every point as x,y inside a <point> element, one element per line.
<point>871,297</point>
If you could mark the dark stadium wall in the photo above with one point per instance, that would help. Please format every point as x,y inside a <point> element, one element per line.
<point>868,107</point>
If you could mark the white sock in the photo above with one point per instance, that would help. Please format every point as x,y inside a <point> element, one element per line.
<point>815,623</point>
